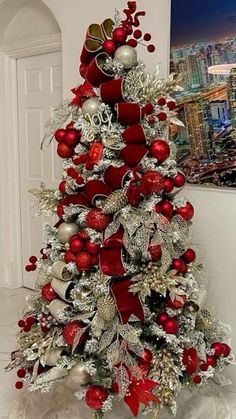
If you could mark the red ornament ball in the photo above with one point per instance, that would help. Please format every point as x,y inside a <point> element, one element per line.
<point>151,48</point>
<point>171,104</point>
<point>168,185</point>
<point>62,187</point>
<point>83,261</point>
<point>189,256</point>
<point>146,357</point>
<point>137,34</point>
<point>97,220</point>
<point>167,208</point>
<point>226,350</point>
<point>162,318</point>
<point>197,379</point>
<point>179,180</point>
<point>203,366</point>
<point>147,37</point>
<point>19,385</point>
<point>109,46</point>
<point>71,137</point>
<point>160,150</point>
<point>83,235</point>
<point>179,265</point>
<point>171,326</point>
<point>76,244</point>
<point>161,101</point>
<point>132,43</point>
<point>48,293</point>
<point>96,396</point>
<point>162,116</point>
<point>21,373</point>
<point>64,151</point>
<point>210,361</point>
<point>186,212</point>
<point>155,251</point>
<point>218,349</point>
<point>60,135</point>
<point>72,172</point>
<point>119,35</point>
<point>92,248</point>
<point>152,181</point>
<point>69,257</point>
<point>70,330</point>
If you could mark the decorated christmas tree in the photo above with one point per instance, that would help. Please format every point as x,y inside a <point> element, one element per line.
<point>118,310</point>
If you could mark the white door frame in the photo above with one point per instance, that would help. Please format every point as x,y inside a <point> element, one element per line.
<point>10,239</point>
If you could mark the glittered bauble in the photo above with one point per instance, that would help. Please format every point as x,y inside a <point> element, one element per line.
<point>66,231</point>
<point>97,220</point>
<point>160,150</point>
<point>226,350</point>
<point>171,326</point>
<point>186,212</point>
<point>109,46</point>
<point>179,265</point>
<point>71,137</point>
<point>92,248</point>
<point>179,180</point>
<point>155,251</point>
<point>79,375</point>
<point>69,257</point>
<point>211,361</point>
<point>167,208</point>
<point>218,349</point>
<point>126,55</point>
<point>64,151</point>
<point>70,330</point>
<point>96,396</point>
<point>60,135</point>
<point>106,308</point>
<point>153,181</point>
<point>91,106</point>
<point>161,318</point>
<point>189,256</point>
<point>146,357</point>
<point>48,293</point>
<point>83,261</point>
<point>76,244</point>
<point>168,184</point>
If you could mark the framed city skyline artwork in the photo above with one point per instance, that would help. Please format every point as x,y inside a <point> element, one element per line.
<point>203,51</point>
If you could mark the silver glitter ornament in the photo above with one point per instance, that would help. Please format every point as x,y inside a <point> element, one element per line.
<point>127,56</point>
<point>91,106</point>
<point>66,231</point>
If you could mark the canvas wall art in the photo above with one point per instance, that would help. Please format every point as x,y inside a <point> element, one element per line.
<point>203,51</point>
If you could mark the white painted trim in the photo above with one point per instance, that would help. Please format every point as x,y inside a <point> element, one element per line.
<point>35,46</point>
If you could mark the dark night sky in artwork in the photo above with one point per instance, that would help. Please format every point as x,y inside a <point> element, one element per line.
<point>202,20</point>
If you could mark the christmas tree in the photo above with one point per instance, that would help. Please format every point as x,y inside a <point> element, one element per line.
<point>118,312</point>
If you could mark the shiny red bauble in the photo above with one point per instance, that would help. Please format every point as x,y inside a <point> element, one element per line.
<point>76,244</point>
<point>186,212</point>
<point>197,379</point>
<point>97,220</point>
<point>189,256</point>
<point>160,150</point>
<point>152,181</point>
<point>48,293</point>
<point>62,186</point>
<point>71,137</point>
<point>179,180</point>
<point>162,116</point>
<point>161,318</point>
<point>60,135</point>
<point>176,304</point>
<point>70,330</point>
<point>69,257</point>
<point>161,101</point>
<point>119,35</point>
<point>226,350</point>
<point>155,251</point>
<point>168,185</point>
<point>210,361</point>
<point>95,397</point>
<point>146,357</point>
<point>167,208</point>
<point>218,349</point>
<point>179,265</point>
<point>109,46</point>
<point>171,326</point>
<point>64,151</point>
<point>83,261</point>
<point>92,248</point>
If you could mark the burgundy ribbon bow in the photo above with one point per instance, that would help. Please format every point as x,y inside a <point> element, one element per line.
<point>127,302</point>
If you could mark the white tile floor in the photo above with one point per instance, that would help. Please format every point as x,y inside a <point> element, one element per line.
<point>11,304</point>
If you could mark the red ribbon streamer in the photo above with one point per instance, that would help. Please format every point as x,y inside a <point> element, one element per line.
<point>110,257</point>
<point>127,302</point>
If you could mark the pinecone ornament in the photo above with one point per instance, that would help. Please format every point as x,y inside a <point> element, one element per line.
<point>106,308</point>
<point>114,202</point>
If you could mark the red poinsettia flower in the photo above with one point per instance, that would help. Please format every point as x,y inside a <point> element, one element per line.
<point>190,360</point>
<point>82,92</point>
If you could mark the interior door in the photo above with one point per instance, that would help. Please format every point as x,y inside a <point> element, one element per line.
<point>39,90</point>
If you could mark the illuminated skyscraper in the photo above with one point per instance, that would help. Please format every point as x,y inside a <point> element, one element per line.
<point>193,72</point>
<point>232,96</point>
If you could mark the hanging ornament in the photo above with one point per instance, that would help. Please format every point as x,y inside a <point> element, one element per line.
<point>76,244</point>
<point>70,330</point>
<point>97,220</point>
<point>186,212</point>
<point>153,181</point>
<point>83,261</point>
<point>66,231</point>
<point>64,151</point>
<point>109,46</point>
<point>96,396</point>
<point>127,56</point>
<point>218,349</point>
<point>171,326</point>
<point>92,248</point>
<point>160,150</point>
<point>71,137</point>
<point>179,265</point>
<point>48,293</point>
<point>189,256</point>
<point>226,350</point>
<point>168,185</point>
<point>179,180</point>
<point>167,208</point>
<point>106,308</point>
<point>119,35</point>
<point>60,135</point>
<point>91,106</point>
<point>114,202</point>
<point>161,318</point>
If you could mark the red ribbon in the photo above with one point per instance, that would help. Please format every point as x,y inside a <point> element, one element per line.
<point>132,20</point>
<point>110,256</point>
<point>81,93</point>
<point>127,302</point>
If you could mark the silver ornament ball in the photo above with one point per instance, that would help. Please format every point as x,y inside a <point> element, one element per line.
<point>78,376</point>
<point>91,106</point>
<point>126,55</point>
<point>66,231</point>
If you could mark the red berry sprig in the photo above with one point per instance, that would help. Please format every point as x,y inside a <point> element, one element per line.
<point>32,266</point>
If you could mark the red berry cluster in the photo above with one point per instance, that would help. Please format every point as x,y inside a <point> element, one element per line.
<point>26,324</point>
<point>21,373</point>
<point>32,266</point>
<point>74,174</point>
<point>169,325</point>
<point>82,251</point>
<point>46,322</point>
<point>162,115</point>
<point>67,140</point>
<point>139,38</point>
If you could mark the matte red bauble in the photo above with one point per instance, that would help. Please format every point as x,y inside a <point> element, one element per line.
<point>155,251</point>
<point>92,248</point>
<point>96,396</point>
<point>119,35</point>
<point>60,135</point>
<point>171,326</point>
<point>189,256</point>
<point>69,257</point>
<point>218,349</point>
<point>168,184</point>
<point>197,379</point>
<point>62,186</point>
<point>210,361</point>
<point>97,220</point>
<point>161,318</point>
<point>167,208</point>
<point>64,151</point>
<point>186,212</point>
<point>226,350</point>
<point>179,180</point>
<point>83,261</point>
<point>160,150</point>
<point>71,137</point>
<point>48,293</point>
<point>70,330</point>
<point>146,357</point>
<point>153,181</point>
<point>179,265</point>
<point>76,244</point>
<point>109,46</point>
